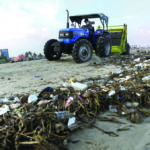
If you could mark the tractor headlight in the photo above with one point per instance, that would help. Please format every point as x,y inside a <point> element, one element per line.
<point>65,34</point>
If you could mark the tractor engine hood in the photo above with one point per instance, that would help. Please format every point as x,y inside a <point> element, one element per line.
<point>71,32</point>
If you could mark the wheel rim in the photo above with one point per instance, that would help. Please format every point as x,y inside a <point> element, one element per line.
<point>84,52</point>
<point>107,48</point>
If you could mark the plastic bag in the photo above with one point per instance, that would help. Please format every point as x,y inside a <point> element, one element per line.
<point>32,98</point>
<point>4,109</point>
<point>79,86</point>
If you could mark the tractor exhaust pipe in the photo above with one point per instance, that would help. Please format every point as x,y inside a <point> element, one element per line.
<point>67,18</point>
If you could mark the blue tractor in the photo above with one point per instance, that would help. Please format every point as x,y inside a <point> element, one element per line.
<point>80,41</point>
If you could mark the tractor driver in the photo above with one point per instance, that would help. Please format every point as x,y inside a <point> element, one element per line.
<point>89,25</point>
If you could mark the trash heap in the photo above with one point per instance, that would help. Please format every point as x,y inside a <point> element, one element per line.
<point>44,122</point>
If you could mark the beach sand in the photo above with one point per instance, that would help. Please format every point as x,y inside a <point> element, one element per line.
<point>33,76</point>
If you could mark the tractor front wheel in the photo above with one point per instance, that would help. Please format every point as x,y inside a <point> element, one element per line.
<point>103,46</point>
<point>49,50</point>
<point>82,51</point>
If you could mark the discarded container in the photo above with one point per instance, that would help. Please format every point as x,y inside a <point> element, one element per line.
<point>139,66</point>
<point>32,98</point>
<point>125,79</point>
<point>111,81</point>
<point>128,104</point>
<point>64,89</point>
<point>16,99</point>
<point>70,99</point>
<point>123,113</point>
<point>82,98</point>
<point>71,123</point>
<point>43,102</point>
<point>111,93</point>
<point>79,86</point>
<point>4,109</point>
<point>135,104</point>
<point>138,94</point>
<point>122,88</point>
<point>146,78</point>
<point>63,114</point>
<point>112,108</point>
<point>137,59</point>
<point>14,106</point>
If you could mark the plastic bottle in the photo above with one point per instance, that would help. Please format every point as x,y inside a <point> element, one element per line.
<point>63,114</point>
<point>79,86</point>
<point>70,99</point>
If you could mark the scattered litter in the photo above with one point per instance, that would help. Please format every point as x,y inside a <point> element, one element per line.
<point>11,97</point>
<point>111,93</point>
<point>63,114</point>
<point>111,81</point>
<point>79,86</point>
<point>4,109</point>
<point>146,78</point>
<point>16,99</point>
<point>138,94</point>
<point>82,98</point>
<point>137,59</point>
<point>123,113</point>
<point>74,79</point>
<point>125,79</point>
<point>128,104</point>
<point>70,99</point>
<point>139,66</point>
<point>14,106</point>
<point>43,102</point>
<point>71,123</point>
<point>122,88</point>
<point>32,98</point>
<point>36,76</point>
<point>112,108</point>
<point>135,104</point>
<point>46,121</point>
<point>6,100</point>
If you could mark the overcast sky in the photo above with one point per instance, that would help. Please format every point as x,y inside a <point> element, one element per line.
<point>27,24</point>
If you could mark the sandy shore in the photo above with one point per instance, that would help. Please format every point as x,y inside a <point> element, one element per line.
<point>33,76</point>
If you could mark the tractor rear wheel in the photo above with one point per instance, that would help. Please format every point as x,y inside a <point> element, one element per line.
<point>49,50</point>
<point>82,51</point>
<point>103,46</point>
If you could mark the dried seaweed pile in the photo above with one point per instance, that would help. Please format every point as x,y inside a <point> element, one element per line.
<point>43,125</point>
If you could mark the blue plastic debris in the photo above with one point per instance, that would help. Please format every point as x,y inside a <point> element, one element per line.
<point>48,89</point>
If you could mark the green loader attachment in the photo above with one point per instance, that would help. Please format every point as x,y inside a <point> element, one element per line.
<point>119,39</point>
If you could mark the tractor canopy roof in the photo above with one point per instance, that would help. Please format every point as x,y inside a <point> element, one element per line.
<point>79,18</point>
